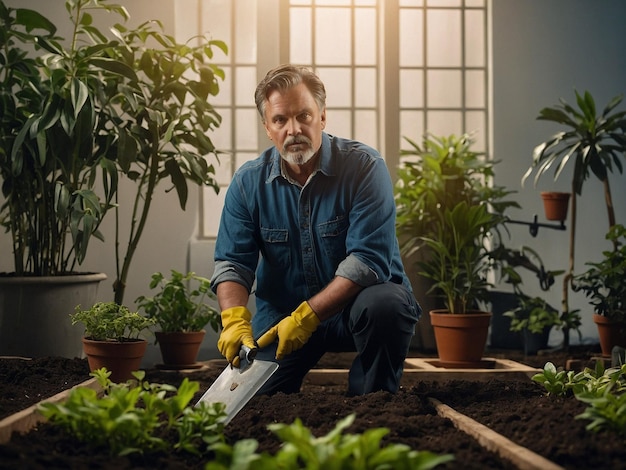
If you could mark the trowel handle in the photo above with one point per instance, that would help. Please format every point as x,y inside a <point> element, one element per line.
<point>246,353</point>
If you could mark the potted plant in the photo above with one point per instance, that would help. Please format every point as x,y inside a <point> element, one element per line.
<point>452,218</point>
<point>76,120</point>
<point>604,285</point>
<point>180,311</point>
<point>533,318</point>
<point>595,144</point>
<point>111,338</point>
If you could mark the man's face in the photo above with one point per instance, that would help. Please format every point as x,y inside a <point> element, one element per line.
<point>294,123</point>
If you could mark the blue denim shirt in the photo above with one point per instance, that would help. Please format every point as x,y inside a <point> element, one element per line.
<point>341,223</point>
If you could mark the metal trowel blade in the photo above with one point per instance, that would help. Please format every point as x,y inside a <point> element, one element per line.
<point>235,387</point>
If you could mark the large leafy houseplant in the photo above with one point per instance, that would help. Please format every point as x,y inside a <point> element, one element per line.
<point>130,106</point>
<point>54,141</point>
<point>449,210</point>
<point>595,143</point>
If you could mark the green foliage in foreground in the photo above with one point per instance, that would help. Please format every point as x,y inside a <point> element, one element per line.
<point>602,389</point>
<point>137,416</point>
<point>333,451</point>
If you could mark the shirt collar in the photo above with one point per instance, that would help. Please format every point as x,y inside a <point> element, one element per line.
<point>325,162</point>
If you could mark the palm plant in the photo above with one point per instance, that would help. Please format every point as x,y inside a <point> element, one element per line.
<point>596,145</point>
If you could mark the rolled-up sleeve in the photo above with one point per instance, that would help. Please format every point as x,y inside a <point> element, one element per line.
<point>357,271</point>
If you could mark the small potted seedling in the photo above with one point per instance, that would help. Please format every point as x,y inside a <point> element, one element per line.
<point>112,338</point>
<point>180,312</point>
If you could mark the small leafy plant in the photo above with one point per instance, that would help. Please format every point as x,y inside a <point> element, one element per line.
<point>602,389</point>
<point>603,283</point>
<point>110,321</point>
<point>138,417</point>
<point>334,450</point>
<point>533,314</point>
<point>180,304</point>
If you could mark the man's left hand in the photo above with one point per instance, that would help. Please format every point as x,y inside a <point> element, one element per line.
<point>293,331</point>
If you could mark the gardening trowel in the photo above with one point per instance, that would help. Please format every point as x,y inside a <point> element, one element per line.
<point>235,386</point>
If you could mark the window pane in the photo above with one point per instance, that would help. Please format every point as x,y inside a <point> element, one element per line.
<point>338,84</point>
<point>445,122</point>
<point>246,84</point>
<point>223,98</point>
<point>332,36</point>
<point>223,172</point>
<point>411,3</point>
<point>246,129</point>
<point>475,3</point>
<point>243,157</point>
<point>332,2</point>
<point>216,22</point>
<point>444,88</point>
<point>475,89</point>
<point>475,38</point>
<point>443,3</point>
<point>300,40</point>
<point>411,88</point>
<point>366,128</point>
<point>213,204</point>
<point>476,123</point>
<point>365,39</point>
<point>339,123</point>
<point>365,87</point>
<point>411,38</point>
<point>411,126</point>
<point>246,21</point>
<point>221,136</point>
<point>444,38</point>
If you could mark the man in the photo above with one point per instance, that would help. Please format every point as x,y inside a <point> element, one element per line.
<point>319,210</point>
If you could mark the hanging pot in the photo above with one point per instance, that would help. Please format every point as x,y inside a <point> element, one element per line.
<point>555,205</point>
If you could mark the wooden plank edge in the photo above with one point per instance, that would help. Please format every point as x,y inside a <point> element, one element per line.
<point>523,458</point>
<point>23,421</point>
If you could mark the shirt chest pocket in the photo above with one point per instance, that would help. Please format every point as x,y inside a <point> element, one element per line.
<point>276,246</point>
<point>333,236</point>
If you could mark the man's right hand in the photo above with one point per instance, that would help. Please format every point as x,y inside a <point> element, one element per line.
<point>236,330</point>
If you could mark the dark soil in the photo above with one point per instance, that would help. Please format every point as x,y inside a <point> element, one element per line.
<point>518,409</point>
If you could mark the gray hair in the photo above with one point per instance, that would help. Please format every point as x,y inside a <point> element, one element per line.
<point>285,77</point>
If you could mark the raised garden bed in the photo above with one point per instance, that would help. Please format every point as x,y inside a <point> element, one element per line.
<point>517,409</point>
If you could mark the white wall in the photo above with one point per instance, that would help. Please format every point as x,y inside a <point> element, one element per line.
<point>542,51</point>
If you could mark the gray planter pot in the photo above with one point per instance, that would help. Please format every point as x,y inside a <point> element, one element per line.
<point>34,314</point>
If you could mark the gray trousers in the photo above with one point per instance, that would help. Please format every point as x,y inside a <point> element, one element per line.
<point>378,325</point>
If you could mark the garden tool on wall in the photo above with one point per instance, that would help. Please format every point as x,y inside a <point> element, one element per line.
<point>235,386</point>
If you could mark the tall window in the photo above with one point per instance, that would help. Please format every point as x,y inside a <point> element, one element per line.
<point>392,69</point>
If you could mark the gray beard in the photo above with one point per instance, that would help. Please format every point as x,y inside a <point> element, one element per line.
<point>298,158</point>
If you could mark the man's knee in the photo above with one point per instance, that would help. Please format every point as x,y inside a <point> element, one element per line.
<point>384,306</point>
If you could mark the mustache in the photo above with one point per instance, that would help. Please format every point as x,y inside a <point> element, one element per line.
<point>300,139</point>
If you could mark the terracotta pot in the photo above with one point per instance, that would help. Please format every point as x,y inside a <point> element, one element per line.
<point>611,333</point>
<point>461,338</point>
<point>121,358</point>
<point>555,205</point>
<point>179,350</point>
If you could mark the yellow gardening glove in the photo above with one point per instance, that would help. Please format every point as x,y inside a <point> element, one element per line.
<point>236,330</point>
<point>292,332</point>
